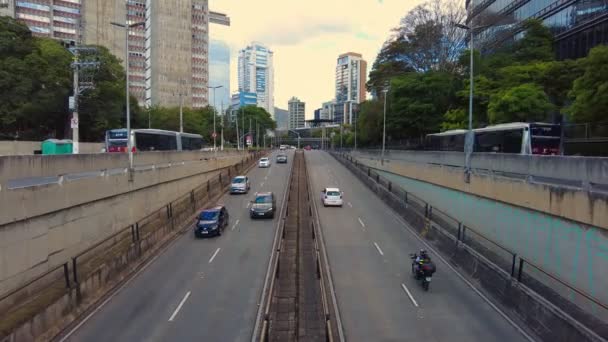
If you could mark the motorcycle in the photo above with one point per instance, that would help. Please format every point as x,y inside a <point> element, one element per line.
<point>422,271</point>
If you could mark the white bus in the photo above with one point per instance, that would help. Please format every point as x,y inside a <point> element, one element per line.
<point>517,137</point>
<point>152,140</point>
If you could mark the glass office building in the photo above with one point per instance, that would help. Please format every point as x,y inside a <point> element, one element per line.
<point>578,25</point>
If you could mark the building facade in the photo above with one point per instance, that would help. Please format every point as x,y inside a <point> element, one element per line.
<point>327,110</point>
<point>256,74</point>
<point>297,113</point>
<point>219,73</point>
<point>577,25</point>
<point>281,116</point>
<point>351,75</point>
<point>168,53</point>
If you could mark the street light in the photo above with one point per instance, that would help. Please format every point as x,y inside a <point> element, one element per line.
<point>214,109</point>
<point>385,90</point>
<point>127,27</point>
<point>298,134</point>
<point>468,144</point>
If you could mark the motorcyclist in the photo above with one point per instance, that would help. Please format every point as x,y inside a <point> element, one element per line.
<point>423,264</point>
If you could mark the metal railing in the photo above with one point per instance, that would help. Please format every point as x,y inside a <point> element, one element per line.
<point>551,287</point>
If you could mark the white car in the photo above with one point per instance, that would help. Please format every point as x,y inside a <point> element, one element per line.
<point>332,197</point>
<point>282,147</point>
<point>264,162</point>
<point>240,185</point>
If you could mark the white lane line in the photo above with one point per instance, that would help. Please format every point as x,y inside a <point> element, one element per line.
<point>409,294</point>
<point>262,184</point>
<point>214,254</point>
<point>235,224</point>
<point>378,248</point>
<point>248,203</point>
<point>179,307</point>
<point>361,222</point>
<point>350,205</point>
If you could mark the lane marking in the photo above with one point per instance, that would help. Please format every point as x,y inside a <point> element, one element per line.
<point>266,177</point>
<point>214,254</point>
<point>409,294</point>
<point>350,205</point>
<point>378,248</point>
<point>179,307</point>
<point>262,184</point>
<point>361,222</point>
<point>235,224</point>
<point>248,203</point>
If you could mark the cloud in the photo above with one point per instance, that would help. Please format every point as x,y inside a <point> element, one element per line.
<point>294,33</point>
<point>365,36</point>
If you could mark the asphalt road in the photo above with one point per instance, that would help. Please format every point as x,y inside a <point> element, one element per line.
<point>368,250</point>
<point>198,289</point>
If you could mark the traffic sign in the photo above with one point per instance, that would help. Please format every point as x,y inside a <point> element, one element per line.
<point>74,123</point>
<point>214,135</point>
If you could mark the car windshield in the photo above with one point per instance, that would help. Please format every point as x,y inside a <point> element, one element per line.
<point>263,199</point>
<point>282,156</point>
<point>209,215</point>
<point>333,193</point>
<point>264,159</point>
<point>238,180</point>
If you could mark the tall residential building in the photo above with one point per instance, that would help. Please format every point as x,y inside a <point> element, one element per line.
<point>219,73</point>
<point>281,116</point>
<point>297,110</point>
<point>577,25</point>
<point>327,110</point>
<point>7,8</point>
<point>256,74</point>
<point>168,54</point>
<point>351,75</point>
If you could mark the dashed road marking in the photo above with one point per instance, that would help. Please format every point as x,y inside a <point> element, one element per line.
<point>179,307</point>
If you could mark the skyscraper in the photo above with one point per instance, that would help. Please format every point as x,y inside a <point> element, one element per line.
<point>256,74</point>
<point>281,116</point>
<point>297,110</point>
<point>577,25</point>
<point>351,75</point>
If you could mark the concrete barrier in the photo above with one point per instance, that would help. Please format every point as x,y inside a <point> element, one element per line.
<point>574,188</point>
<point>546,320</point>
<point>42,226</point>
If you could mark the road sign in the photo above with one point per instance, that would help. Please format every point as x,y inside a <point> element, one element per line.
<point>74,123</point>
<point>249,140</point>
<point>71,103</point>
<point>214,135</point>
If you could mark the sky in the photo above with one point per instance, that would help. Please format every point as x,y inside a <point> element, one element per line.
<point>306,37</point>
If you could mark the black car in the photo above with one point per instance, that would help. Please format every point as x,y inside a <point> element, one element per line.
<point>282,159</point>
<point>211,222</point>
<point>264,205</point>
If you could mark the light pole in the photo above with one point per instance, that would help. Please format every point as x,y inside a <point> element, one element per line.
<point>386,89</point>
<point>214,109</point>
<point>298,134</point>
<point>127,27</point>
<point>468,144</point>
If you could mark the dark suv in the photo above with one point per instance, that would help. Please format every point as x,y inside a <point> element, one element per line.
<point>264,205</point>
<point>211,222</point>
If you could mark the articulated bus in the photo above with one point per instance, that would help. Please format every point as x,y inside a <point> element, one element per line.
<point>517,137</point>
<point>152,140</point>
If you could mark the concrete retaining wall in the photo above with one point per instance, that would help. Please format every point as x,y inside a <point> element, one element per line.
<point>42,226</point>
<point>568,187</point>
<point>14,148</point>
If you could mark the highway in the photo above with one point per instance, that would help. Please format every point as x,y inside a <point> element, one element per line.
<point>197,289</point>
<point>368,250</point>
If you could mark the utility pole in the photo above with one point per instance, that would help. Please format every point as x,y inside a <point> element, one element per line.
<point>238,137</point>
<point>79,86</point>
<point>257,133</point>
<point>74,122</point>
<point>222,127</point>
<point>250,130</point>
<point>243,126</point>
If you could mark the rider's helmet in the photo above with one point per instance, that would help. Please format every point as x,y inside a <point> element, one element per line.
<point>423,254</point>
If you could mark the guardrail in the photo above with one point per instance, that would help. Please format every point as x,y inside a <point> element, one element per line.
<point>572,300</point>
<point>140,237</point>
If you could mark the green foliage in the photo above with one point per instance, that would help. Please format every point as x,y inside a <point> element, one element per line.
<point>454,119</point>
<point>526,102</point>
<point>370,122</point>
<point>418,102</point>
<point>536,45</point>
<point>590,91</point>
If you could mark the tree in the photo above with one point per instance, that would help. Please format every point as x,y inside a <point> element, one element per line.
<point>369,123</point>
<point>418,101</point>
<point>527,102</point>
<point>590,91</point>
<point>536,44</point>
<point>34,83</point>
